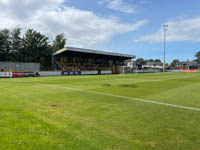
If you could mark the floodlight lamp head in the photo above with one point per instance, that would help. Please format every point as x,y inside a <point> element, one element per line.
<point>165,26</point>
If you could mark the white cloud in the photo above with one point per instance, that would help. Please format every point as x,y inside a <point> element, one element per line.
<point>25,8</point>
<point>119,5</point>
<point>82,28</point>
<point>179,30</point>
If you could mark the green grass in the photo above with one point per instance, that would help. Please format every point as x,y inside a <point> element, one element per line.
<point>44,114</point>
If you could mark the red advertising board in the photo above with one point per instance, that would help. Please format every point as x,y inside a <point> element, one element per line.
<point>188,71</point>
<point>23,74</point>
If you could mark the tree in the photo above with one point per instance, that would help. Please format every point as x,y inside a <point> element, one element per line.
<point>150,60</point>
<point>1,46</point>
<point>59,42</point>
<point>157,60</point>
<point>140,61</point>
<point>5,45</point>
<point>198,57</point>
<point>35,46</point>
<point>174,62</point>
<point>16,44</point>
<point>46,61</point>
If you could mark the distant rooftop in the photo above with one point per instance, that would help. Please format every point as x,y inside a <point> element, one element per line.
<point>154,63</point>
<point>73,49</point>
<point>190,63</point>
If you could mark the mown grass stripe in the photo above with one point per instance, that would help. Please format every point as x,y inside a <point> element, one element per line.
<point>118,96</point>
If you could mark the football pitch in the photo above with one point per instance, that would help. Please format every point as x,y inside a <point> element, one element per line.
<point>158,111</point>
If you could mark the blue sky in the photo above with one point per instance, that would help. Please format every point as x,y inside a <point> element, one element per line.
<point>156,12</point>
<point>125,26</point>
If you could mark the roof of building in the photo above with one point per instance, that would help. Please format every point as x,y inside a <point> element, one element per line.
<point>73,49</point>
<point>190,63</point>
<point>154,63</point>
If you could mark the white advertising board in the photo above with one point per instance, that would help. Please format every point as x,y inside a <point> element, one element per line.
<point>56,73</point>
<point>5,74</point>
<point>106,72</point>
<point>89,72</point>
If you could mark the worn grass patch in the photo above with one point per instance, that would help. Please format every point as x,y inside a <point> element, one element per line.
<point>106,85</point>
<point>129,85</point>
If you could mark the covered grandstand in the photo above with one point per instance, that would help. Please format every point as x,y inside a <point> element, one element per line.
<point>72,59</point>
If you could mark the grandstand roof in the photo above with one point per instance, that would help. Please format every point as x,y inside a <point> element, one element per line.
<point>81,50</point>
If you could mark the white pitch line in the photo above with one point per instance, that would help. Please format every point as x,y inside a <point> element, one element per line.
<point>118,96</point>
<point>130,98</point>
<point>144,100</point>
<point>171,78</point>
